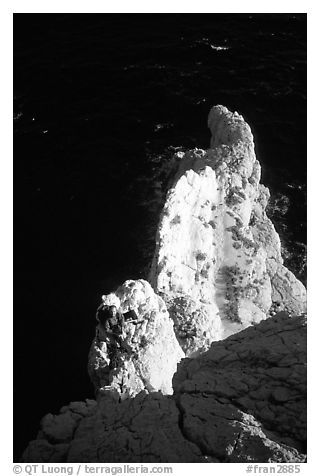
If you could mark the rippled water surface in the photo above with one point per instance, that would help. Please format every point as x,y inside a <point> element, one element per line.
<point>100,104</point>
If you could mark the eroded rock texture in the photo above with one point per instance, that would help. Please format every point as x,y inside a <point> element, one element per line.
<point>151,351</point>
<point>218,262</point>
<point>243,400</point>
<point>249,385</point>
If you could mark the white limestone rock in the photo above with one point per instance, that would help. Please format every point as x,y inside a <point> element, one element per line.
<point>152,348</point>
<point>218,262</point>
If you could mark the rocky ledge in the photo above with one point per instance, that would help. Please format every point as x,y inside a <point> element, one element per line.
<point>209,370</point>
<point>243,400</point>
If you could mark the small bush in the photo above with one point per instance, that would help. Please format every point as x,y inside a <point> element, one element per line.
<point>204,273</point>
<point>176,220</point>
<point>201,256</point>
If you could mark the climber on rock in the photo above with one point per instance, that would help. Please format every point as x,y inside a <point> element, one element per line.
<point>109,332</point>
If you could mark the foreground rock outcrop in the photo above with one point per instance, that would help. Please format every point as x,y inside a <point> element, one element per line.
<point>239,392</point>
<point>260,372</point>
<point>243,400</point>
<point>218,262</point>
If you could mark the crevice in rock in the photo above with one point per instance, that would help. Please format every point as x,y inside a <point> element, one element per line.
<point>202,450</point>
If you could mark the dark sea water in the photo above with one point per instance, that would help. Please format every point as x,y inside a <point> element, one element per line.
<point>100,104</point>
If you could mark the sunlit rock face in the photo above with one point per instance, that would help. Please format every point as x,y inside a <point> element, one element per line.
<point>218,262</point>
<point>151,351</point>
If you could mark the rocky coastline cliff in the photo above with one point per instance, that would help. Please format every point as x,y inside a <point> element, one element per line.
<point>214,369</point>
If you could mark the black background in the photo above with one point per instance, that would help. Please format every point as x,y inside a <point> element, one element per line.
<point>115,93</point>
